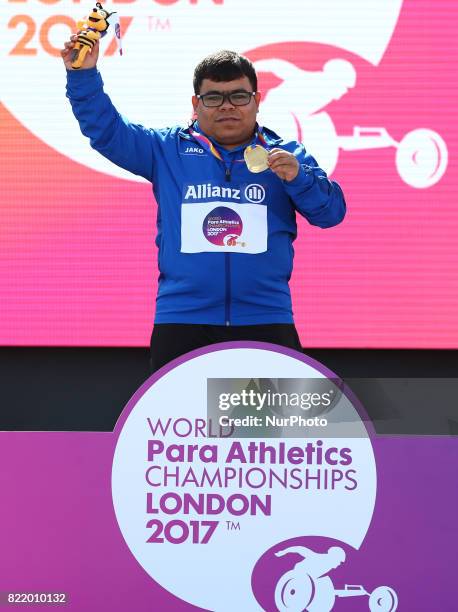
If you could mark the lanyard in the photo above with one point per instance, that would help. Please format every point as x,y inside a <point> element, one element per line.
<point>207,144</point>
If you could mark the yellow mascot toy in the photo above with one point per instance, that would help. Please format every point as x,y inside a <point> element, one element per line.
<point>90,30</point>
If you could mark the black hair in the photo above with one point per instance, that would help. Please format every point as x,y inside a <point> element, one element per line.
<point>224,66</point>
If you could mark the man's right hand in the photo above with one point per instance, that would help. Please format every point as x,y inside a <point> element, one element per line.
<point>89,61</point>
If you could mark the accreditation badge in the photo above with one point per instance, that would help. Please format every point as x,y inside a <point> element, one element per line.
<point>216,218</point>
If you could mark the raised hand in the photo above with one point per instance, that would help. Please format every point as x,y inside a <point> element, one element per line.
<point>89,61</point>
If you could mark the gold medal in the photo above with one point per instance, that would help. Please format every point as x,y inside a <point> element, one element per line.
<point>256,158</point>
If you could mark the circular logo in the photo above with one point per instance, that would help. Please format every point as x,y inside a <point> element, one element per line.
<point>222,226</point>
<point>255,193</point>
<point>190,491</point>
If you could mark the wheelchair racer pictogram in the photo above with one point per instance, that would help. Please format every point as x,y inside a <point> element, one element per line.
<point>421,156</point>
<point>308,588</point>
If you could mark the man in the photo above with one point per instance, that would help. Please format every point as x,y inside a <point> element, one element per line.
<point>224,233</point>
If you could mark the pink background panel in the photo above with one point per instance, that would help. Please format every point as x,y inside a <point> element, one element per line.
<point>77,254</point>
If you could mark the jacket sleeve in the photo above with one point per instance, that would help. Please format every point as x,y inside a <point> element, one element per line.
<point>315,197</point>
<point>126,144</point>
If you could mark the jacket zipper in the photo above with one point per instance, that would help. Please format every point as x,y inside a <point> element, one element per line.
<point>227,266</point>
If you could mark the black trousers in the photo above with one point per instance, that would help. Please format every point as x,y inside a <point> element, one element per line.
<point>170,340</point>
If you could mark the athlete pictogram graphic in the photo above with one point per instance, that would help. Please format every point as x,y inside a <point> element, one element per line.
<point>421,156</point>
<point>307,587</point>
<point>231,240</point>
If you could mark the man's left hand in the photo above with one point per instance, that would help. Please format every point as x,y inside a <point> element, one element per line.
<point>283,164</point>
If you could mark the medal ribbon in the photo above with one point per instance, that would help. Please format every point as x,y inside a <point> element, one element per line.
<point>207,144</point>
<point>260,137</point>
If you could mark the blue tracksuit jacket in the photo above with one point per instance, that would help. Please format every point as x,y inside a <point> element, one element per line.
<point>224,234</point>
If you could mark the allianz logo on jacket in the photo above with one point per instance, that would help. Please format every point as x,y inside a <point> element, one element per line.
<point>253,192</point>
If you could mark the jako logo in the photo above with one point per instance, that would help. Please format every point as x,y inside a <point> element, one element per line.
<point>255,193</point>
<point>193,151</point>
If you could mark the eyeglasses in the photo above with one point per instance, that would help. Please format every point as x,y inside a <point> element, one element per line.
<point>236,98</point>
